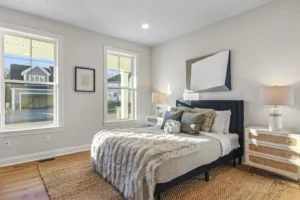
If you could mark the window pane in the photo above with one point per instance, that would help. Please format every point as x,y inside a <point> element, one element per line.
<point>125,72</point>
<point>24,57</point>
<point>43,54</point>
<point>119,79</point>
<point>113,72</point>
<point>42,50</point>
<point>112,61</point>
<point>28,105</point>
<point>119,104</point>
<point>125,64</point>
<point>16,56</point>
<point>41,69</point>
<point>119,71</point>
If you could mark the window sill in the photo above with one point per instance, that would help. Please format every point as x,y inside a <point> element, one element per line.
<point>121,122</point>
<point>33,131</point>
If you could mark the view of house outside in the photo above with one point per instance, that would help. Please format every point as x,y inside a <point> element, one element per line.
<point>28,60</point>
<point>119,92</point>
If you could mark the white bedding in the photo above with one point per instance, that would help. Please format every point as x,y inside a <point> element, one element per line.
<point>228,142</point>
<point>214,146</point>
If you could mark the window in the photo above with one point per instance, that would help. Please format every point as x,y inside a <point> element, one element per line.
<point>28,59</point>
<point>120,85</point>
<point>37,78</point>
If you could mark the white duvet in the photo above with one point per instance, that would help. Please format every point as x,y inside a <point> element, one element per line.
<point>227,141</point>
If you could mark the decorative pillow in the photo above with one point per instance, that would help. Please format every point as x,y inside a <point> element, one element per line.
<point>172,126</point>
<point>171,115</point>
<point>221,122</point>
<point>227,122</point>
<point>191,122</point>
<point>184,109</point>
<point>209,115</point>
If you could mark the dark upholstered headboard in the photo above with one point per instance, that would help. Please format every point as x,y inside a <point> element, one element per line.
<point>235,106</point>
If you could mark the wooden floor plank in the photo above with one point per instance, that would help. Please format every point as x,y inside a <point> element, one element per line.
<point>23,181</point>
<point>17,167</point>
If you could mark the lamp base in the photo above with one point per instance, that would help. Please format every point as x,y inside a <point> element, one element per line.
<point>159,110</point>
<point>275,119</point>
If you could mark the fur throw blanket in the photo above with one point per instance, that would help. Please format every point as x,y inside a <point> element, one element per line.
<point>128,158</point>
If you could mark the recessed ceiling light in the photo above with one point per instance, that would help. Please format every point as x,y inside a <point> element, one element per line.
<point>145,26</point>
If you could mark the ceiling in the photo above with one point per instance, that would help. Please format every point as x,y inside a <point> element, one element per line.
<point>168,19</point>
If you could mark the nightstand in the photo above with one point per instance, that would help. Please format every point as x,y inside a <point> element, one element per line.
<point>153,120</point>
<point>276,151</point>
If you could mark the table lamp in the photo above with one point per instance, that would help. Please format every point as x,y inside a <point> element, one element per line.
<point>159,98</point>
<point>276,95</point>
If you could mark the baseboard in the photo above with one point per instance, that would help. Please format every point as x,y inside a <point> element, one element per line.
<point>42,155</point>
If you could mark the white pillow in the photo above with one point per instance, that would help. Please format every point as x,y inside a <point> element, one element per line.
<point>227,123</point>
<point>221,122</point>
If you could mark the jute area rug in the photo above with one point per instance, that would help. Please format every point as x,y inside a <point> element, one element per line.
<point>72,179</point>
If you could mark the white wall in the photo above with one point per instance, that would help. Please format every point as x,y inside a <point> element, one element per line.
<point>265,45</point>
<point>83,111</point>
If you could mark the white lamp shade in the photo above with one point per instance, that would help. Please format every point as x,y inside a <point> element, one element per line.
<point>159,98</point>
<point>277,95</point>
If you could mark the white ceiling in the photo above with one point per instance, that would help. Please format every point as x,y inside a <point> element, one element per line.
<point>168,19</point>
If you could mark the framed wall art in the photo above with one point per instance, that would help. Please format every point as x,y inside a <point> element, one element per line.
<point>209,73</point>
<point>84,79</point>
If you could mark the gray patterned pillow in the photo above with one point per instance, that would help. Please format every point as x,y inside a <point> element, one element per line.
<point>191,122</point>
<point>171,115</point>
<point>185,109</point>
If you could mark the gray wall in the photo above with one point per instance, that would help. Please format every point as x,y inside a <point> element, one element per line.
<point>83,112</point>
<point>265,45</point>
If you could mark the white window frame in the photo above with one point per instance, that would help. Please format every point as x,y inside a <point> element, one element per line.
<point>58,111</point>
<point>135,57</point>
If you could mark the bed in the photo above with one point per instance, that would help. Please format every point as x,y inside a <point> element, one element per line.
<point>119,155</point>
<point>236,126</point>
<point>211,151</point>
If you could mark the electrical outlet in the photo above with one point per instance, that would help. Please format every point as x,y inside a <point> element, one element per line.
<point>7,144</point>
<point>47,138</point>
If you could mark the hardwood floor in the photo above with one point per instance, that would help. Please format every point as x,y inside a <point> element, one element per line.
<point>23,182</point>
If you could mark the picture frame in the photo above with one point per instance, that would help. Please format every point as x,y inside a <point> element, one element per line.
<point>85,79</point>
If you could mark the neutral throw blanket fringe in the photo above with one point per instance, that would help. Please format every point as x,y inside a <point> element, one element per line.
<point>128,158</point>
